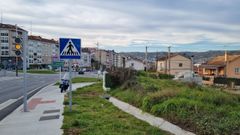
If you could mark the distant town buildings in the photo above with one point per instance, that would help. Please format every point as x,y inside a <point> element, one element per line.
<point>86,58</point>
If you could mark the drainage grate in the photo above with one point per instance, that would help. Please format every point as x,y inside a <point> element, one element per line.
<point>51,111</point>
<point>49,117</point>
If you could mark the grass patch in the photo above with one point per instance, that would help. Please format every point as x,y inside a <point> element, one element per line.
<point>39,71</point>
<point>92,115</point>
<point>81,80</point>
<point>84,79</point>
<point>203,110</point>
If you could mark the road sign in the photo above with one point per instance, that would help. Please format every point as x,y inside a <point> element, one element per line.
<point>70,48</point>
<point>58,64</point>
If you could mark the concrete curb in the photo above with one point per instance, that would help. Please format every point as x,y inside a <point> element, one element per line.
<point>152,120</point>
<point>19,101</point>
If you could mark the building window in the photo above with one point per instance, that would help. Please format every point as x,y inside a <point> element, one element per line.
<point>5,53</point>
<point>4,47</point>
<point>4,34</point>
<point>132,64</point>
<point>4,41</point>
<point>180,64</point>
<point>237,70</point>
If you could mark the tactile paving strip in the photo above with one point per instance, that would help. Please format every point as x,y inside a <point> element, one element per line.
<point>49,117</point>
<point>51,111</point>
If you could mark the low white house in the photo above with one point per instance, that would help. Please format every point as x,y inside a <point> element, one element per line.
<point>135,64</point>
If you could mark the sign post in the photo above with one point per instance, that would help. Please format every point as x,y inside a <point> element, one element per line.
<point>70,49</point>
<point>24,75</point>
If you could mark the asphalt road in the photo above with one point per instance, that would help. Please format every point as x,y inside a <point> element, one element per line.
<point>13,89</point>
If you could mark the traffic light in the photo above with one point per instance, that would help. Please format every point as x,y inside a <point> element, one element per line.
<point>18,46</point>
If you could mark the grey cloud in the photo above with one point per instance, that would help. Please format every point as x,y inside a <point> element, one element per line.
<point>129,17</point>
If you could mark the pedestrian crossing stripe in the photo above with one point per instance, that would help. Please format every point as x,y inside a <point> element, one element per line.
<point>70,49</point>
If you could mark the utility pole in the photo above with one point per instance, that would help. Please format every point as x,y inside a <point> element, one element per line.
<point>16,67</point>
<point>192,66</point>
<point>1,17</point>
<point>31,29</point>
<point>156,65</point>
<point>70,84</point>
<point>226,62</point>
<point>99,55</point>
<point>169,65</point>
<point>146,58</point>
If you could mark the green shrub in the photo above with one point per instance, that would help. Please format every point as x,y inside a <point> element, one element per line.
<point>165,76</point>
<point>180,104</point>
<point>129,84</point>
<point>142,73</point>
<point>206,78</point>
<point>152,88</point>
<point>157,97</point>
<point>118,76</point>
<point>210,96</point>
<point>153,75</point>
<point>75,123</point>
<point>228,81</point>
<point>110,80</point>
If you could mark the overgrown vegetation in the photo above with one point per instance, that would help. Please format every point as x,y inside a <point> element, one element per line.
<point>117,76</point>
<point>202,110</point>
<point>92,115</point>
<point>84,79</point>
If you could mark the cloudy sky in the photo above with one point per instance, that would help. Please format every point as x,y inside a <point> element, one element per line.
<point>129,25</point>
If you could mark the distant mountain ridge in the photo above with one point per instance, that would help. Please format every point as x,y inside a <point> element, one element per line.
<point>198,57</point>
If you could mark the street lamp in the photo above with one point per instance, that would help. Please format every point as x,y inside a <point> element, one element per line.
<point>192,68</point>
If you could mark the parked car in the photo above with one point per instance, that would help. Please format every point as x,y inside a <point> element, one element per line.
<point>80,72</point>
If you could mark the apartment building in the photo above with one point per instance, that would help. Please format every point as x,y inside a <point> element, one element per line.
<point>42,52</point>
<point>105,57</point>
<point>8,34</point>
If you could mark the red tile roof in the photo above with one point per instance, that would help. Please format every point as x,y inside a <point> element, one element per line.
<point>39,38</point>
<point>9,26</point>
<point>220,60</point>
<point>172,55</point>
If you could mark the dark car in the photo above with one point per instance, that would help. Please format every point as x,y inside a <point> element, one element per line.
<point>80,72</point>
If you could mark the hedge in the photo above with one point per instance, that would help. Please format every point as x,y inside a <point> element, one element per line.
<point>227,81</point>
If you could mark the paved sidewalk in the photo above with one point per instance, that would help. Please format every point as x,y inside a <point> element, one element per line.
<point>44,116</point>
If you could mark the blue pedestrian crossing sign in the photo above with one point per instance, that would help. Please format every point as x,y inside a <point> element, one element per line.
<point>70,48</point>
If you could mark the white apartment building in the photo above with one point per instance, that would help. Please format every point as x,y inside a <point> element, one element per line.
<point>42,52</point>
